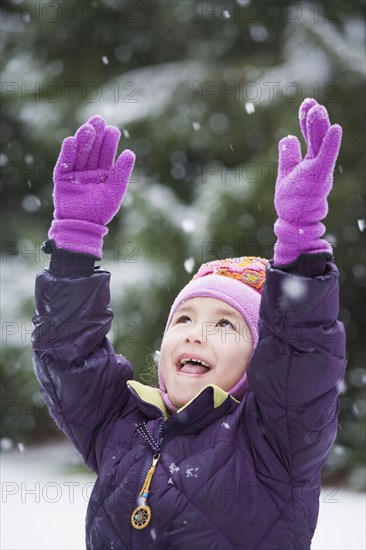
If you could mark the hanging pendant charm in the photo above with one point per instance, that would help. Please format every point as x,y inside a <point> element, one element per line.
<point>141,517</point>
<point>142,514</point>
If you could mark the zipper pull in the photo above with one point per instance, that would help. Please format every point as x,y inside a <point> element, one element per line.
<point>142,514</point>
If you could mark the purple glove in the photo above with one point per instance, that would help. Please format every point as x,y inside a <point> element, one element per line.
<point>302,186</point>
<point>88,187</point>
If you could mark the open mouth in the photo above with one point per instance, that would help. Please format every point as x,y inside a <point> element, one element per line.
<point>191,365</point>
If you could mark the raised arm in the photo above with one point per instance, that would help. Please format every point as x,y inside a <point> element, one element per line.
<point>82,380</point>
<point>298,365</point>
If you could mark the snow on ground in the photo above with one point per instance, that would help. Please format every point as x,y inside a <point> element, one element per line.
<point>43,506</point>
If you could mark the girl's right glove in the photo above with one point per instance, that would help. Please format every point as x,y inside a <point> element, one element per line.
<point>302,186</point>
<point>88,187</point>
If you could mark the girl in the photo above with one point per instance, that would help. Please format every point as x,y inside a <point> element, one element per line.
<point>227,453</point>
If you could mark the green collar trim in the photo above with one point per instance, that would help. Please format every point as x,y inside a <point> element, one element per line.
<point>153,396</point>
<point>150,395</point>
<point>220,396</point>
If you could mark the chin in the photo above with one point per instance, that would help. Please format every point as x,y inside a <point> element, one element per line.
<point>185,395</point>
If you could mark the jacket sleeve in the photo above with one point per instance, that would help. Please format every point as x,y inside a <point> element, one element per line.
<point>82,380</point>
<point>297,369</point>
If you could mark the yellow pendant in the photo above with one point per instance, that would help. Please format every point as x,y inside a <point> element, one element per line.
<point>142,514</point>
<point>141,517</point>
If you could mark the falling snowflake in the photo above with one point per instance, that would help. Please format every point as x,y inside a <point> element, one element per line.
<point>249,107</point>
<point>31,203</point>
<point>173,468</point>
<point>126,133</point>
<point>361,224</point>
<point>294,288</point>
<point>105,60</point>
<point>231,147</point>
<point>226,425</point>
<point>21,447</point>
<point>341,386</point>
<point>192,472</point>
<point>188,225</point>
<point>170,481</point>
<point>332,239</point>
<point>6,444</point>
<point>29,159</point>
<point>196,126</point>
<point>226,14</point>
<point>153,534</point>
<point>189,265</point>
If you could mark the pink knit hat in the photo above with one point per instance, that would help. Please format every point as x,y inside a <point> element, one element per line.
<point>237,282</point>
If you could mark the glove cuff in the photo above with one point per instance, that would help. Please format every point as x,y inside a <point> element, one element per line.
<point>307,265</point>
<point>292,241</point>
<point>78,236</point>
<point>64,263</point>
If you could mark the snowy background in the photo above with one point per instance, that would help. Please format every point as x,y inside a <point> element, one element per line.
<point>44,506</point>
<point>202,91</point>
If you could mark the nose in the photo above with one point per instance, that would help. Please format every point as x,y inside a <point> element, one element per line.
<point>194,334</point>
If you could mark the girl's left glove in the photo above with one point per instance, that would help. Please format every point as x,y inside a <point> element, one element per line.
<point>303,185</point>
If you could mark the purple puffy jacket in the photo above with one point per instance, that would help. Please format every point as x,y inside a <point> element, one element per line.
<point>231,475</point>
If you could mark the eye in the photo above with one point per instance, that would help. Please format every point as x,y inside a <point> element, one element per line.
<point>224,323</point>
<point>183,319</point>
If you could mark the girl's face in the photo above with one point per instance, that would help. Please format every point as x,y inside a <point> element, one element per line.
<point>216,337</point>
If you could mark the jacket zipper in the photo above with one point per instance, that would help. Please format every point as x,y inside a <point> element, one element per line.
<point>136,541</point>
<point>135,538</point>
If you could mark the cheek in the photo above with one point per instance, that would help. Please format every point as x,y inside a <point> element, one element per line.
<point>234,367</point>
<point>239,356</point>
<point>166,353</point>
